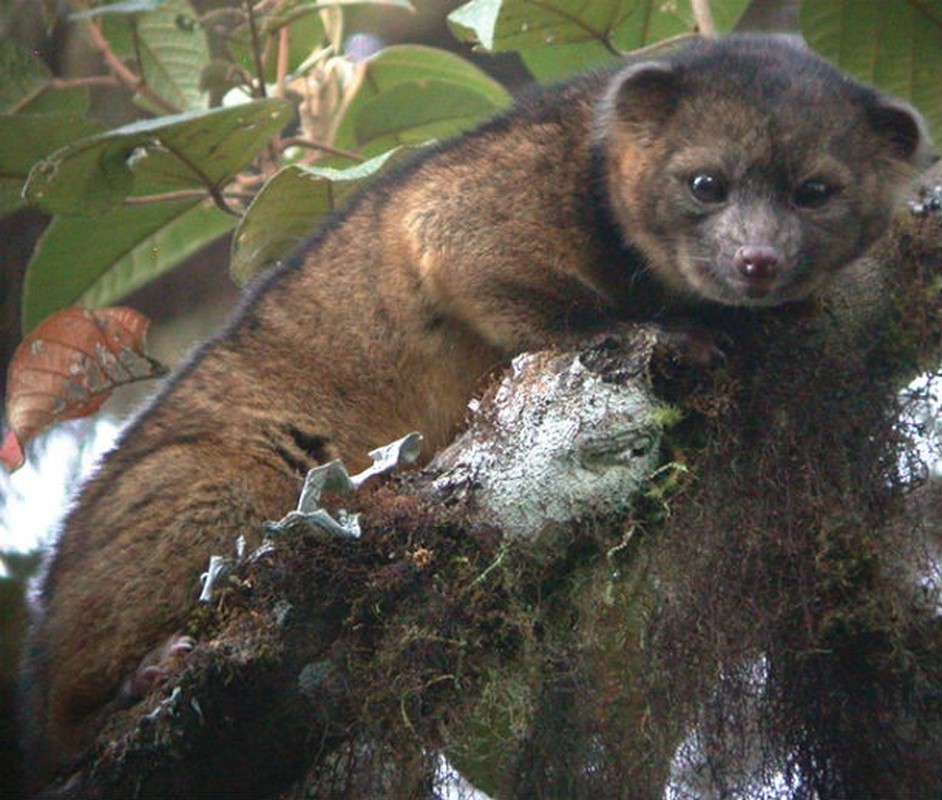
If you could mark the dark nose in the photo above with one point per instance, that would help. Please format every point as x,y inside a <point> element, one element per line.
<point>758,262</point>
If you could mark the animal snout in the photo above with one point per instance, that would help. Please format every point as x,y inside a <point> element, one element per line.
<point>758,262</point>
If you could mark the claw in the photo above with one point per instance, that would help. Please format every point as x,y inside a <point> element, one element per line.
<point>694,346</point>
<point>157,667</point>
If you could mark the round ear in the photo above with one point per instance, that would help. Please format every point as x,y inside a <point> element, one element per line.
<point>904,129</point>
<point>644,94</point>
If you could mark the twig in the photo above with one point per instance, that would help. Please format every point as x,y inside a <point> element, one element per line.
<point>256,50</point>
<point>928,11</point>
<point>664,44</point>
<point>220,15</point>
<point>704,18</point>
<point>165,197</point>
<point>249,181</point>
<point>297,141</point>
<point>87,80</point>
<point>136,42</point>
<point>214,191</point>
<point>284,44</point>
<point>122,72</point>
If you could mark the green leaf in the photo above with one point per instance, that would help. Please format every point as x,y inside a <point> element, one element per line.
<point>414,63</point>
<point>173,53</point>
<point>560,61</point>
<point>410,94</point>
<point>119,21</point>
<point>416,113</point>
<point>171,48</point>
<point>726,13</point>
<point>24,85</point>
<point>22,74</point>
<point>288,208</point>
<point>895,46</point>
<point>557,37</point>
<point>617,25</point>
<point>73,100</point>
<point>24,140</point>
<point>125,7</point>
<point>161,252</point>
<point>96,265</point>
<point>476,22</point>
<point>198,148</point>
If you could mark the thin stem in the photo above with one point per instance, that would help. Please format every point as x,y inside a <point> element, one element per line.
<point>927,10</point>
<point>214,191</point>
<point>703,17</point>
<point>664,44</point>
<point>165,197</point>
<point>297,141</point>
<point>284,44</point>
<point>136,42</point>
<point>256,50</point>
<point>122,72</point>
<point>87,80</point>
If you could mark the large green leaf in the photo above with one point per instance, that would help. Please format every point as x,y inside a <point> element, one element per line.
<point>167,40</point>
<point>21,75</point>
<point>46,100</point>
<point>173,53</point>
<point>24,85</point>
<point>529,24</point>
<point>558,37</point>
<point>894,45</point>
<point>560,61</point>
<point>416,113</point>
<point>118,23</point>
<point>190,150</point>
<point>25,139</point>
<point>289,207</point>
<point>410,94</point>
<point>96,264</point>
<point>414,63</point>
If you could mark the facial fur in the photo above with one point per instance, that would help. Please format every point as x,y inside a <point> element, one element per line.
<point>754,189</point>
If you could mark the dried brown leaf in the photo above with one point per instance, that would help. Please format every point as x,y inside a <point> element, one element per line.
<point>68,366</point>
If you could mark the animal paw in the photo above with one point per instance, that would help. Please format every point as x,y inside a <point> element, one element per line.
<point>688,345</point>
<point>157,667</point>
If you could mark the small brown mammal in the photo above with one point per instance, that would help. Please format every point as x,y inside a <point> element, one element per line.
<point>741,172</point>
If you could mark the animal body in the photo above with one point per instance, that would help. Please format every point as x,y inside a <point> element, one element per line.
<point>742,172</point>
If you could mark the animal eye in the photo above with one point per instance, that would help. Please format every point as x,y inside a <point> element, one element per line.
<point>813,193</point>
<point>708,187</point>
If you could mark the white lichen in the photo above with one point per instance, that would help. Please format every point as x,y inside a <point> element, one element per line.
<point>557,444</point>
